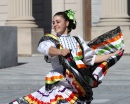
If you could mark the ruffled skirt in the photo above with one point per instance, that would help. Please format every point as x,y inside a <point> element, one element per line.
<point>61,93</point>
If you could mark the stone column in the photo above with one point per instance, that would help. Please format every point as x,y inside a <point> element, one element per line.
<point>20,13</point>
<point>114,12</point>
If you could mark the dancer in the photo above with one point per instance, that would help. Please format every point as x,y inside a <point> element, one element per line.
<point>77,67</point>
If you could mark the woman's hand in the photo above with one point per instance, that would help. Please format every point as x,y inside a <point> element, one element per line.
<point>117,52</point>
<point>64,51</point>
<point>53,51</point>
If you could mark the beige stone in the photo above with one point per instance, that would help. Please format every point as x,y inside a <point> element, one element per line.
<point>3,9</point>
<point>20,15</point>
<point>28,39</point>
<point>3,2</point>
<point>114,12</point>
<point>3,12</point>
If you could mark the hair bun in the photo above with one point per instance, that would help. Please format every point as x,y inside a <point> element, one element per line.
<point>71,17</point>
<point>73,26</point>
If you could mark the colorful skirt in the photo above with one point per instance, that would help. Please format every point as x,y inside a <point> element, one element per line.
<point>70,87</point>
<point>61,93</point>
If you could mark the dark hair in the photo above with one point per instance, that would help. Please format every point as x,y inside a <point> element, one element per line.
<point>72,23</point>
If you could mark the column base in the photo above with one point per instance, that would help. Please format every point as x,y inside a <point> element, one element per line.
<point>21,23</point>
<point>28,39</point>
<point>114,22</point>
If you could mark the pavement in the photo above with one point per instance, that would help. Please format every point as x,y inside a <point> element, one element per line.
<point>29,76</point>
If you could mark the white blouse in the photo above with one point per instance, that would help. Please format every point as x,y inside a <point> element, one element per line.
<point>69,42</point>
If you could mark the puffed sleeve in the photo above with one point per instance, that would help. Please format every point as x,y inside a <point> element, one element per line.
<point>89,55</point>
<point>44,46</point>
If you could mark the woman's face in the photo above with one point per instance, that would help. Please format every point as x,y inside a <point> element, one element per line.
<point>60,26</point>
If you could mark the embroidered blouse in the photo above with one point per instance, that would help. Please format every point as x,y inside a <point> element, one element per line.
<point>69,42</point>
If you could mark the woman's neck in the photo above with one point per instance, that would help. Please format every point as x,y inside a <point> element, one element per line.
<point>63,35</point>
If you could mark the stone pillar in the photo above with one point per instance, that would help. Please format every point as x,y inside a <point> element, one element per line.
<point>114,12</point>
<point>20,13</point>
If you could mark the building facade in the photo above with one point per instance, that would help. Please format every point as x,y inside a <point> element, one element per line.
<point>33,19</point>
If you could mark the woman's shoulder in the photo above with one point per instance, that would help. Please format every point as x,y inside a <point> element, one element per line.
<point>79,38</point>
<point>50,35</point>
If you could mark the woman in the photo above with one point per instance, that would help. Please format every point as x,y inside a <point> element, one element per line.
<point>65,84</point>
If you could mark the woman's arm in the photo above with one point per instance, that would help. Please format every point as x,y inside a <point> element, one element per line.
<point>101,58</point>
<point>89,56</point>
<point>53,51</point>
<point>49,48</point>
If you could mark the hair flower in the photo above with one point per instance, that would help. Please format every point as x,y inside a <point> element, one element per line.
<point>70,15</point>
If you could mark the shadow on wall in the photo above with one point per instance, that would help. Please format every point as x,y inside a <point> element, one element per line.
<point>128,7</point>
<point>42,12</point>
